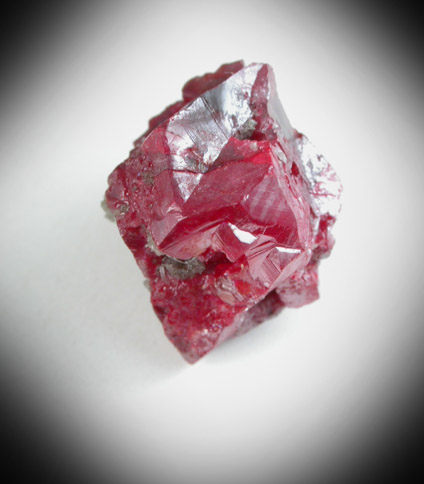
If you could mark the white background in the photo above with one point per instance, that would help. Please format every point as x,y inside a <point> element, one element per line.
<point>298,394</point>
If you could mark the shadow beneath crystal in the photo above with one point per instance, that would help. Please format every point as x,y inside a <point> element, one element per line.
<point>261,338</point>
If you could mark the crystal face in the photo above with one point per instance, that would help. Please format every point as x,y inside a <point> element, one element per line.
<point>226,208</point>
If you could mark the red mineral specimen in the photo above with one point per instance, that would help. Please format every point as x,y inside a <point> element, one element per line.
<point>226,208</point>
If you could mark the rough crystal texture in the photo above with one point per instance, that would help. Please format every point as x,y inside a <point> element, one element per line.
<point>226,208</point>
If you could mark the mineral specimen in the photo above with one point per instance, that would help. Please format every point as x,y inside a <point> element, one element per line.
<point>226,208</point>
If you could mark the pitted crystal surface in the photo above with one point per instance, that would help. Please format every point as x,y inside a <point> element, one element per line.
<point>226,208</point>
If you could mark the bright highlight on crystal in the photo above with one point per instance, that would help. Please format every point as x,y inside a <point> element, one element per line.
<point>226,208</point>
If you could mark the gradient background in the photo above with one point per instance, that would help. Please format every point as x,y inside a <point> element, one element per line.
<point>92,390</point>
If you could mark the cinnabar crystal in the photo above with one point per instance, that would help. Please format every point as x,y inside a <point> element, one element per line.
<point>226,208</point>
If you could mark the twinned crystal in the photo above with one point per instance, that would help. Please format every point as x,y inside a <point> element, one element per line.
<point>226,208</point>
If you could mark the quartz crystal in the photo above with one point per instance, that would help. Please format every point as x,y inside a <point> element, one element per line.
<point>226,208</point>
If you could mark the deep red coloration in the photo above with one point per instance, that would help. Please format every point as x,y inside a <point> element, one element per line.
<point>226,208</point>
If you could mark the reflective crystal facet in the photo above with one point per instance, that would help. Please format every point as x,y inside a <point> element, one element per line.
<point>226,208</point>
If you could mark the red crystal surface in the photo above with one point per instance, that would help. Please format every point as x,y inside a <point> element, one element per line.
<point>226,208</point>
